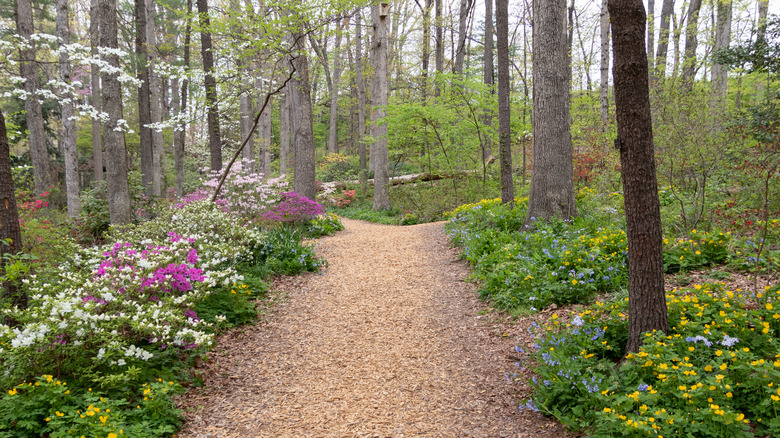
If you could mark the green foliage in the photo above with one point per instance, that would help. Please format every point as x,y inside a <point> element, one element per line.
<point>323,225</point>
<point>232,306</point>
<point>714,374</point>
<point>699,250</point>
<point>283,253</point>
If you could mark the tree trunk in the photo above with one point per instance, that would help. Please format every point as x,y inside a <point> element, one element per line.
<point>9,221</point>
<point>663,39</point>
<point>650,35</point>
<point>604,89</point>
<point>504,120</point>
<point>465,10</point>
<point>333,134</point>
<point>720,76</point>
<point>763,9</point>
<point>487,74</point>
<point>379,98</point>
<point>676,35</point>
<point>426,49</point>
<point>158,151</point>
<point>97,126</point>
<point>691,43</point>
<point>361,101</point>
<point>439,57</point>
<point>119,208</point>
<point>68,130</point>
<point>646,303</point>
<point>178,146</point>
<point>552,184</point>
<point>144,99</point>
<point>32,104</point>
<point>245,110</point>
<point>284,132</point>
<point>303,128</point>
<point>215,141</point>
<point>264,134</point>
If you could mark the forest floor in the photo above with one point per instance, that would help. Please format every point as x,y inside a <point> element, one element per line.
<point>389,341</point>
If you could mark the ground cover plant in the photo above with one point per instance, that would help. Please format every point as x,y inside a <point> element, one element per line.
<point>109,333</point>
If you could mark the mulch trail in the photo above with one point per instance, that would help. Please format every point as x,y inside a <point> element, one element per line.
<point>389,341</point>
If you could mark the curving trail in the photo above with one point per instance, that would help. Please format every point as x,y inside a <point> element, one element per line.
<point>388,342</point>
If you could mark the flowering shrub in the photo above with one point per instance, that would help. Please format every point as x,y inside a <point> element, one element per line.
<point>714,374</point>
<point>346,198</point>
<point>293,208</point>
<point>699,249</point>
<point>244,194</point>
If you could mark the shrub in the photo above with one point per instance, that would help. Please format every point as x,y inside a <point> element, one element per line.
<point>293,208</point>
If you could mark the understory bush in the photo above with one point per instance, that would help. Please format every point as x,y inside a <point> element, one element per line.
<point>715,374</point>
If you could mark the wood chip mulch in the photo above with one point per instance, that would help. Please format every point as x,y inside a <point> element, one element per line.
<point>389,341</point>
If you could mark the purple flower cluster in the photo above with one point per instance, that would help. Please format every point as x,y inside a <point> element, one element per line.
<point>293,208</point>
<point>171,278</point>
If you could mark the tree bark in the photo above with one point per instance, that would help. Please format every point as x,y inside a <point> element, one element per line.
<point>663,39</point>
<point>361,101</point>
<point>9,220</point>
<point>333,134</point>
<point>116,153</point>
<point>180,133</point>
<point>487,74</point>
<point>144,99</point>
<point>504,120</point>
<point>210,83</point>
<point>650,35</point>
<point>158,151</point>
<point>646,302</point>
<point>32,104</point>
<point>465,10</point>
<point>763,9</point>
<point>379,97</point>
<point>68,130</point>
<point>264,137</point>
<point>552,182</point>
<point>720,78</point>
<point>284,132</point>
<point>604,89</point>
<point>691,43</point>
<point>97,127</point>
<point>303,128</point>
<point>439,56</point>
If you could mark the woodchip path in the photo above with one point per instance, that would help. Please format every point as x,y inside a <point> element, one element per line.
<point>388,342</point>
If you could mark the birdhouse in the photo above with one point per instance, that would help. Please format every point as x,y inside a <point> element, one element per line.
<point>384,9</point>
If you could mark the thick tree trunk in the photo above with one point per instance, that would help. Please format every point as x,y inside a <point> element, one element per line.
<point>379,97</point>
<point>604,88</point>
<point>763,9</point>
<point>32,103</point>
<point>720,76</point>
<point>144,99</point>
<point>158,151</point>
<point>504,121</point>
<point>552,183</point>
<point>663,39</point>
<point>97,126</point>
<point>646,302</point>
<point>361,100</point>
<point>691,43</point>
<point>68,130</point>
<point>119,208</point>
<point>303,128</point>
<point>465,10</point>
<point>210,83</point>
<point>284,132</point>
<point>333,134</point>
<point>10,231</point>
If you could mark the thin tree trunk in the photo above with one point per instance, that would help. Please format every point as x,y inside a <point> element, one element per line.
<point>116,153</point>
<point>32,103</point>
<point>647,301</point>
<point>158,147</point>
<point>361,101</point>
<point>604,90</point>
<point>677,35</point>
<point>720,76</point>
<point>650,36</point>
<point>333,135</point>
<point>487,74</point>
<point>210,83</point>
<point>68,130</point>
<point>439,57</point>
<point>552,184</point>
<point>144,99</point>
<point>379,98</point>
<point>763,9</point>
<point>264,149</point>
<point>465,10</point>
<point>97,127</point>
<point>691,43</point>
<point>426,55</point>
<point>284,132</point>
<point>10,230</point>
<point>663,39</point>
<point>178,147</point>
<point>504,120</point>
<point>303,129</point>
<point>245,109</point>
